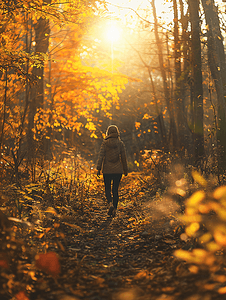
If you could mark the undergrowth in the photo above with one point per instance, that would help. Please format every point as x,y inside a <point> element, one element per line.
<point>35,217</point>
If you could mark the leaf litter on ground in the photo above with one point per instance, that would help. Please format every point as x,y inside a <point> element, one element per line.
<point>74,254</point>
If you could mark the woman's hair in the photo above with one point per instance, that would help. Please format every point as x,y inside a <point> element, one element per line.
<point>112,129</point>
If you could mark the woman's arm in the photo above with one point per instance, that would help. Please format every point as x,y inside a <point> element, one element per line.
<point>124,159</point>
<point>101,157</point>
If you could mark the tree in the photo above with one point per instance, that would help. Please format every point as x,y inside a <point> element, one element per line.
<point>196,65</point>
<point>217,65</point>
<point>164,78</point>
<point>42,32</point>
<point>181,74</point>
<point>23,73</point>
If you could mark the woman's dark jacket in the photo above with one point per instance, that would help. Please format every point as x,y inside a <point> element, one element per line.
<point>112,156</point>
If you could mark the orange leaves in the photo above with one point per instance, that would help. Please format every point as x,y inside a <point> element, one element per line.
<point>4,263</point>
<point>141,275</point>
<point>21,296</point>
<point>137,125</point>
<point>146,117</point>
<point>3,257</point>
<point>49,263</point>
<point>90,126</point>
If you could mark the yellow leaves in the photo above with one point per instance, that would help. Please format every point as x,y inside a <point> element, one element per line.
<point>205,237</point>
<point>51,210</point>
<point>220,192</point>
<point>136,163</point>
<point>195,199</point>
<point>221,213</point>
<point>191,218</point>
<point>199,178</point>
<point>219,234</point>
<point>146,117</point>
<point>183,254</point>
<point>137,125</point>
<point>206,209</point>
<point>77,126</point>
<point>192,228</point>
<point>197,256</point>
<point>90,126</point>
<point>93,135</point>
<point>212,247</point>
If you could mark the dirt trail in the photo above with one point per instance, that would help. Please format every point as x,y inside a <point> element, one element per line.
<point>112,259</point>
<point>129,257</point>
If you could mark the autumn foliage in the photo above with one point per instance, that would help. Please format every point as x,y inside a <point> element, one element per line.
<point>204,218</point>
<point>48,262</point>
<point>60,88</point>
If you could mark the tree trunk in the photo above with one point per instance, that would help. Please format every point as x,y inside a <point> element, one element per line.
<point>217,64</point>
<point>4,109</point>
<point>42,31</point>
<point>196,64</point>
<point>164,78</point>
<point>177,93</point>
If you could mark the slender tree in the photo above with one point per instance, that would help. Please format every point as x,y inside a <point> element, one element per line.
<point>164,78</point>
<point>196,65</point>
<point>217,65</point>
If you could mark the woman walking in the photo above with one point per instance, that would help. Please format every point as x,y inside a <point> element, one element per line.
<point>113,163</point>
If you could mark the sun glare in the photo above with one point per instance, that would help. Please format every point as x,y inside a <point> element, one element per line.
<point>124,9</point>
<point>113,33</point>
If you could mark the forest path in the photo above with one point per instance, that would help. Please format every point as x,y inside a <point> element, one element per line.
<point>122,259</point>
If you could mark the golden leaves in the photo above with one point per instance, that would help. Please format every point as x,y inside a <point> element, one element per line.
<point>199,178</point>
<point>141,275</point>
<point>208,209</point>
<point>195,199</point>
<point>90,126</point>
<point>220,192</point>
<point>197,256</point>
<point>137,125</point>
<point>146,117</point>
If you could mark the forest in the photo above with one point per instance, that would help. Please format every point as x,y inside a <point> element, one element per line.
<point>156,70</point>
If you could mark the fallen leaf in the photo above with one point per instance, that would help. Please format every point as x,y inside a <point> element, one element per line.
<point>4,264</point>
<point>140,275</point>
<point>21,296</point>
<point>48,262</point>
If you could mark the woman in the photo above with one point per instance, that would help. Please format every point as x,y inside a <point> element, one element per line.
<point>113,163</point>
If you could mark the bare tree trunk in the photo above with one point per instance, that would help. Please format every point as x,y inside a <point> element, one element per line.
<point>217,64</point>
<point>177,93</point>
<point>185,69</point>
<point>196,64</point>
<point>4,109</point>
<point>42,31</point>
<point>164,77</point>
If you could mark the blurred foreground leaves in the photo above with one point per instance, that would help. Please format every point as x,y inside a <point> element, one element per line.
<point>205,223</point>
<point>65,246</point>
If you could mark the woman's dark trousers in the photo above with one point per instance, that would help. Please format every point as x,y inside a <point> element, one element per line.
<point>111,182</point>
